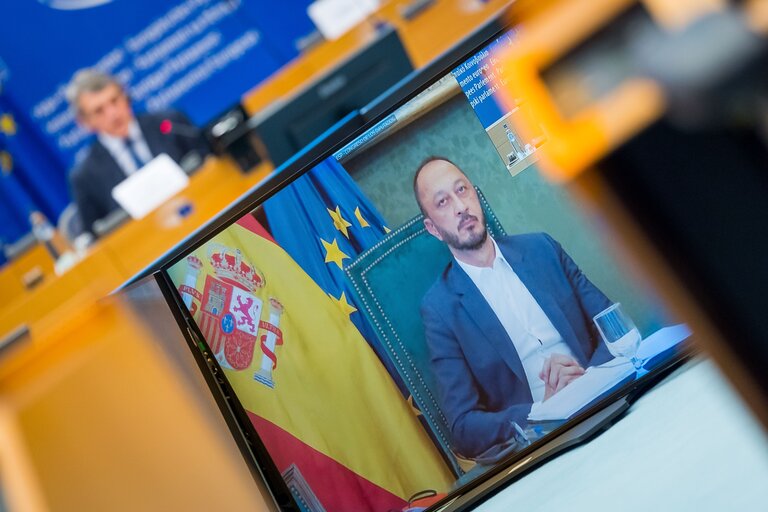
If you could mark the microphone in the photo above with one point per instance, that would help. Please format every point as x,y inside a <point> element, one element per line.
<point>168,127</point>
<point>195,155</point>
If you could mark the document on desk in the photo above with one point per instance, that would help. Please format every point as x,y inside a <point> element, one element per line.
<point>599,379</point>
<point>149,187</point>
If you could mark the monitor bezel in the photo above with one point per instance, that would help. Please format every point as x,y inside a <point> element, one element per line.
<point>275,120</point>
<point>329,143</point>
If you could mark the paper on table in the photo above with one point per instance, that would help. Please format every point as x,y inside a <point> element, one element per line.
<point>335,17</point>
<point>581,391</point>
<point>150,186</point>
<point>600,379</point>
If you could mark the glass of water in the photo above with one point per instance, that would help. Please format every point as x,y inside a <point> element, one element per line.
<point>619,333</point>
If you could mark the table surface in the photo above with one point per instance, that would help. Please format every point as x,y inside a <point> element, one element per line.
<point>108,421</point>
<point>689,444</point>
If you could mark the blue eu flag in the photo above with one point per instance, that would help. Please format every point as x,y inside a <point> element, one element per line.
<point>324,221</point>
<point>36,169</point>
<point>15,204</point>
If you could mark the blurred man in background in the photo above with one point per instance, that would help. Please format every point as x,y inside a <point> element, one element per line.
<point>124,142</point>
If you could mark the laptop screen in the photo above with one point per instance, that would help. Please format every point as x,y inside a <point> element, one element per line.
<point>421,305</point>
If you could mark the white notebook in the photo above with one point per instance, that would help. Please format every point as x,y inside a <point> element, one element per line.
<point>149,187</point>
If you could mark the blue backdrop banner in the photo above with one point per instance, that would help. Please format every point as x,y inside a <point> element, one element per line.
<point>34,165</point>
<point>198,56</point>
<point>15,204</point>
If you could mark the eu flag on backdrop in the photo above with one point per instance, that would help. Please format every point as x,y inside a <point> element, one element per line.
<point>15,204</point>
<point>41,174</point>
<point>324,221</point>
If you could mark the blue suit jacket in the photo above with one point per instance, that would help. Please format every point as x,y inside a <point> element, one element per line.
<point>94,178</point>
<point>482,384</point>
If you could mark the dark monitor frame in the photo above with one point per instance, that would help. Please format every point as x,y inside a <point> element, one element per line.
<point>602,412</point>
<point>290,123</point>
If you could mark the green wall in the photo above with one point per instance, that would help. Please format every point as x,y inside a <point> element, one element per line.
<point>524,202</point>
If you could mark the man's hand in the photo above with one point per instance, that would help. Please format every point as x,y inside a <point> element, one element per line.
<point>558,371</point>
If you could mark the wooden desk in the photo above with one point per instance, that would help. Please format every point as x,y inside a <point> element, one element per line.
<point>98,417</point>
<point>59,298</point>
<point>439,27</point>
<point>11,286</point>
<point>12,275</point>
<point>425,37</point>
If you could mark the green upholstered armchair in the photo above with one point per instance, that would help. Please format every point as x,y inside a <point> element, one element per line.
<point>390,280</point>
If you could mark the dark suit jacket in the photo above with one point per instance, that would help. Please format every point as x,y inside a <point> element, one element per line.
<point>94,178</point>
<point>482,384</point>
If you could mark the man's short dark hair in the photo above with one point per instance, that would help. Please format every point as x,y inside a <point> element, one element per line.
<point>423,164</point>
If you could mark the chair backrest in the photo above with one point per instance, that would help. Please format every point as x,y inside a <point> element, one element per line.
<point>390,280</point>
<point>70,224</point>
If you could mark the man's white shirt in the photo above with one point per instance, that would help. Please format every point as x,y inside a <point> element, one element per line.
<point>529,328</point>
<point>120,152</point>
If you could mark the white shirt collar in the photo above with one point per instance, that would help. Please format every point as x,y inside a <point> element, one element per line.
<point>118,143</point>
<point>475,271</point>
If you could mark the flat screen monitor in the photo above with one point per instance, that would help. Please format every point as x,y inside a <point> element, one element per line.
<point>417,308</point>
<point>290,124</point>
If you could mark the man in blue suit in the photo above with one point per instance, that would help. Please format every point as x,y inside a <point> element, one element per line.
<point>508,322</point>
<point>124,142</point>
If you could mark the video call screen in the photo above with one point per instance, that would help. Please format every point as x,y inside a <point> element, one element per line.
<point>419,306</point>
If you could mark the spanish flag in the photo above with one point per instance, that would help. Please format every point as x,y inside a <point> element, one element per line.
<point>327,410</point>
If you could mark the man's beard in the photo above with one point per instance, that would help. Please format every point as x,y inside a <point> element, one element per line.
<point>474,242</point>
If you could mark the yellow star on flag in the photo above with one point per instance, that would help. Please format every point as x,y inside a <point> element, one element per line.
<point>333,253</point>
<point>360,218</point>
<point>7,124</point>
<point>345,306</point>
<point>6,162</point>
<point>339,222</point>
